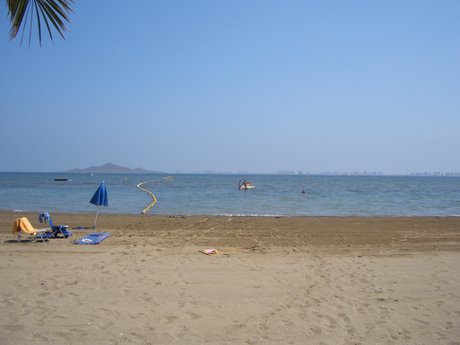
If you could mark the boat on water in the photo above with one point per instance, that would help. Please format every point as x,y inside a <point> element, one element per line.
<point>62,179</point>
<point>245,184</point>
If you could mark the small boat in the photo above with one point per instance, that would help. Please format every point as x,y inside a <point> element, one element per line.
<point>243,185</point>
<point>62,179</point>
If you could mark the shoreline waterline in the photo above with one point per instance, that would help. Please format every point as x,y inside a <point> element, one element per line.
<point>276,216</point>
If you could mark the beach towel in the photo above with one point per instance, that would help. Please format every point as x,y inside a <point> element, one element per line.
<point>23,224</point>
<point>93,238</point>
<point>44,217</point>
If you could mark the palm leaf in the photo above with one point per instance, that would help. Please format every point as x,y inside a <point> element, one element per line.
<point>54,13</point>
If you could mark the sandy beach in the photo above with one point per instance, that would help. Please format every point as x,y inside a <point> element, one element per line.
<point>273,280</point>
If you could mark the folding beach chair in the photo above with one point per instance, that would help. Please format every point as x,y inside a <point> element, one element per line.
<point>23,226</point>
<point>57,230</point>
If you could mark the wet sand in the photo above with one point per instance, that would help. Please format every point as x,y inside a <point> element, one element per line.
<point>288,280</point>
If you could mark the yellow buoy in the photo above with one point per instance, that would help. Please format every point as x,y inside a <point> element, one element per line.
<point>154,199</point>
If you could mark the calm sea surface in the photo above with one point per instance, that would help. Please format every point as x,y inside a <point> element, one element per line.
<point>219,195</point>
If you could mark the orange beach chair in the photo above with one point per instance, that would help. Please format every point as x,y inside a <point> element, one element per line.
<point>22,225</point>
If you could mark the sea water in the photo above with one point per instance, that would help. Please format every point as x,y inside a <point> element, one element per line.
<point>218,194</point>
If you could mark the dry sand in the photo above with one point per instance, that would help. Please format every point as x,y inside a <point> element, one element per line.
<point>300,280</point>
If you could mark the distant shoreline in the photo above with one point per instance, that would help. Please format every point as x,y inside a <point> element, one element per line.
<point>447,174</point>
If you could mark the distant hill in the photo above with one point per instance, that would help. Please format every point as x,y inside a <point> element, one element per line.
<point>111,168</point>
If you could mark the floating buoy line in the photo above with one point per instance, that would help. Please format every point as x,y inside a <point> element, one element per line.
<point>154,199</point>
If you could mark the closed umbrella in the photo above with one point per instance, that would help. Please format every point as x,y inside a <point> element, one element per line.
<point>100,199</point>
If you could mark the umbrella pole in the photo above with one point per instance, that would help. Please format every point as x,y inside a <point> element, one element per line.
<point>95,221</point>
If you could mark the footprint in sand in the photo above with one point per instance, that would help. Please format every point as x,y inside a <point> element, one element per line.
<point>170,318</point>
<point>193,316</point>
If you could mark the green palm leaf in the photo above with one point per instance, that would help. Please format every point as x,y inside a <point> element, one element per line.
<point>54,13</point>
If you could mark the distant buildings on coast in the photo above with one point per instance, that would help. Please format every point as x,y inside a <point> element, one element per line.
<point>370,173</point>
<point>111,168</point>
<point>436,173</point>
<point>334,173</point>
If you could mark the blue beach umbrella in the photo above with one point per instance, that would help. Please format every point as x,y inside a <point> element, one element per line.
<point>100,199</point>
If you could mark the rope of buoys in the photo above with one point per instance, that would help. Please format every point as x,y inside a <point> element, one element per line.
<point>154,199</point>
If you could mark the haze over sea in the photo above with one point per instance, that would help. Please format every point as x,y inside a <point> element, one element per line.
<point>217,194</point>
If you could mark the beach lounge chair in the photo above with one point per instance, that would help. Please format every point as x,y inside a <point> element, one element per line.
<point>22,226</point>
<point>57,230</point>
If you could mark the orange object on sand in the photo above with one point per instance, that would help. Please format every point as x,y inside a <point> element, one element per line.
<point>23,224</point>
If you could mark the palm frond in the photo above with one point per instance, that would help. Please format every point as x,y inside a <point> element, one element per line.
<point>54,13</point>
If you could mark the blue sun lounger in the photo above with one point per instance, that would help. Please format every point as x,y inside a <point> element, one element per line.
<point>93,238</point>
<point>56,230</point>
<point>60,230</point>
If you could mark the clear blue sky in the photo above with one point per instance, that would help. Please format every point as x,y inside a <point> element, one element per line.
<point>258,86</point>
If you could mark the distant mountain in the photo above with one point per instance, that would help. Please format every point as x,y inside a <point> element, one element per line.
<point>110,168</point>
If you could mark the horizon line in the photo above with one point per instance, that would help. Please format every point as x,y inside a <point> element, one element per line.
<point>285,173</point>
